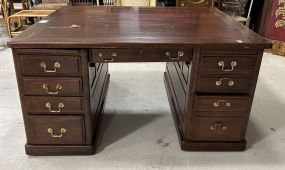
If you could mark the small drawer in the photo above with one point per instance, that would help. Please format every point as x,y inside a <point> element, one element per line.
<point>55,105</point>
<point>223,84</point>
<point>51,65</point>
<point>227,65</point>
<point>221,105</point>
<point>55,86</point>
<point>217,129</point>
<point>142,55</point>
<point>56,130</point>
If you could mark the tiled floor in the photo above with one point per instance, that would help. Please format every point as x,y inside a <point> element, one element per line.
<point>138,128</point>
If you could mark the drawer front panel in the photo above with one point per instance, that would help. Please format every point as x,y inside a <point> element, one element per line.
<point>217,129</point>
<point>55,105</point>
<point>221,105</point>
<point>142,55</point>
<point>227,65</point>
<point>56,130</point>
<point>51,65</point>
<point>224,84</point>
<point>54,86</point>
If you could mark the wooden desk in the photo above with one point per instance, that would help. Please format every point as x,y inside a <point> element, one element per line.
<point>62,72</point>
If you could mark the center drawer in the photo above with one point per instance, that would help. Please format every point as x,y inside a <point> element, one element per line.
<point>56,130</point>
<point>55,105</point>
<point>141,54</point>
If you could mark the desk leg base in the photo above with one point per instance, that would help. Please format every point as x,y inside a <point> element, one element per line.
<point>212,146</point>
<point>46,150</point>
<point>197,145</point>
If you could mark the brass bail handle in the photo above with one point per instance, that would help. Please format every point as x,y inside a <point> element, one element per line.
<point>218,125</point>
<point>222,65</point>
<point>113,55</point>
<point>60,106</point>
<point>58,87</point>
<point>170,56</point>
<point>220,82</point>
<point>56,66</point>
<point>58,135</point>
<point>217,103</point>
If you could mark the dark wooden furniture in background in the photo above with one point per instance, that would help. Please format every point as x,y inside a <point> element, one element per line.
<point>82,2</point>
<point>190,3</point>
<point>272,24</point>
<point>62,73</point>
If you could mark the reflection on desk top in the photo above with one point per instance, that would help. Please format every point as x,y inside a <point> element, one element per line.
<point>87,27</point>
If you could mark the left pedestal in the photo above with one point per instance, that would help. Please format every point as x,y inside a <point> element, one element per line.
<point>62,99</point>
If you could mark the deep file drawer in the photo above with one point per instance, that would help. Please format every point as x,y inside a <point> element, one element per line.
<point>141,54</point>
<point>217,129</point>
<point>56,130</point>
<point>53,86</point>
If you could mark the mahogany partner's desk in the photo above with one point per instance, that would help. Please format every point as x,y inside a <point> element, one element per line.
<point>62,72</point>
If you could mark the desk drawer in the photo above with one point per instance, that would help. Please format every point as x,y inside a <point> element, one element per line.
<point>55,105</point>
<point>227,65</point>
<point>53,86</point>
<point>221,105</point>
<point>217,129</point>
<point>51,65</point>
<point>142,55</point>
<point>223,84</point>
<point>56,130</point>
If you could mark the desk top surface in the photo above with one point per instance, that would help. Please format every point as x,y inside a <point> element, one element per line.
<point>88,27</point>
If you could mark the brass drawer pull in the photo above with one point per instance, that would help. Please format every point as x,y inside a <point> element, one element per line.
<point>220,82</point>
<point>217,103</point>
<point>218,125</point>
<point>179,55</point>
<point>57,87</point>
<point>222,65</point>
<point>107,60</point>
<point>60,106</point>
<point>62,131</point>
<point>56,66</point>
